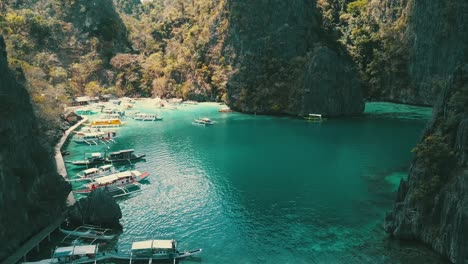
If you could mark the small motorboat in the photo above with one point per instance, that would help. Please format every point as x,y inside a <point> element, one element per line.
<point>205,121</point>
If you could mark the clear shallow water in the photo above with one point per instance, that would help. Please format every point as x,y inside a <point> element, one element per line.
<point>260,189</point>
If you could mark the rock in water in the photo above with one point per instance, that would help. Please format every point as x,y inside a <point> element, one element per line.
<point>99,209</point>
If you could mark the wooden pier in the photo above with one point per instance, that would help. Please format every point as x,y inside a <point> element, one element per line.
<point>61,169</point>
<point>34,242</point>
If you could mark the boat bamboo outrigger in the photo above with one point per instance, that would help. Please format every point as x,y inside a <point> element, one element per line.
<point>156,250</point>
<point>75,254</point>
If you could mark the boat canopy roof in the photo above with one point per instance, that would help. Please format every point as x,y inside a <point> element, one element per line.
<point>96,155</point>
<point>105,167</point>
<point>89,171</point>
<point>150,244</point>
<point>74,250</point>
<point>315,115</point>
<point>116,176</point>
<point>121,151</point>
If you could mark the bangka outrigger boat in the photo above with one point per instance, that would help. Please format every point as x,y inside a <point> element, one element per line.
<point>104,123</point>
<point>97,158</point>
<point>314,117</point>
<point>97,172</point>
<point>146,117</point>
<point>155,250</point>
<point>205,121</point>
<point>95,138</point>
<point>75,255</point>
<point>118,184</point>
<point>88,232</point>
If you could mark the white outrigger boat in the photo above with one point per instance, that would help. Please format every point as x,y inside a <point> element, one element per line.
<point>205,121</point>
<point>95,138</point>
<point>120,182</point>
<point>146,117</point>
<point>88,232</point>
<point>155,250</point>
<point>97,172</point>
<point>75,255</point>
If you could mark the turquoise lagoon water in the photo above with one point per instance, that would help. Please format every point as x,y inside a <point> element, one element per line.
<point>261,189</point>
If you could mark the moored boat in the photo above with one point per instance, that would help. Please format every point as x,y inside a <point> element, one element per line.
<point>155,250</point>
<point>97,172</point>
<point>117,182</point>
<point>97,158</point>
<point>94,138</point>
<point>89,232</point>
<point>205,121</point>
<point>75,254</point>
<point>104,123</point>
<point>146,117</point>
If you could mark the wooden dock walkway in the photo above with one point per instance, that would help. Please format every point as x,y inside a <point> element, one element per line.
<point>32,243</point>
<point>35,241</point>
<point>61,169</point>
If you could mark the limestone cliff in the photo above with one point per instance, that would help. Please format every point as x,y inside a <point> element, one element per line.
<point>32,194</point>
<point>404,49</point>
<point>284,63</point>
<point>432,205</point>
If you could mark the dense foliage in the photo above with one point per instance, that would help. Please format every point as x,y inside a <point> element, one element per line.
<point>67,48</point>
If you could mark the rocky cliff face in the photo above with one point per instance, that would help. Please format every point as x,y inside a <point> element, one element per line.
<point>32,194</point>
<point>285,63</point>
<point>432,205</point>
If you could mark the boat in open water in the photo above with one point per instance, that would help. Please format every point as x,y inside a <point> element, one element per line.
<point>118,184</point>
<point>120,156</point>
<point>155,250</point>
<point>314,117</point>
<point>205,121</point>
<point>75,254</point>
<point>146,117</point>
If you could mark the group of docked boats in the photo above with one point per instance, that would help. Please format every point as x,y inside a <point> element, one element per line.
<point>145,250</point>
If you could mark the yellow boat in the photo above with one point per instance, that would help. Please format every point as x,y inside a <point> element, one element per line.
<point>101,123</point>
